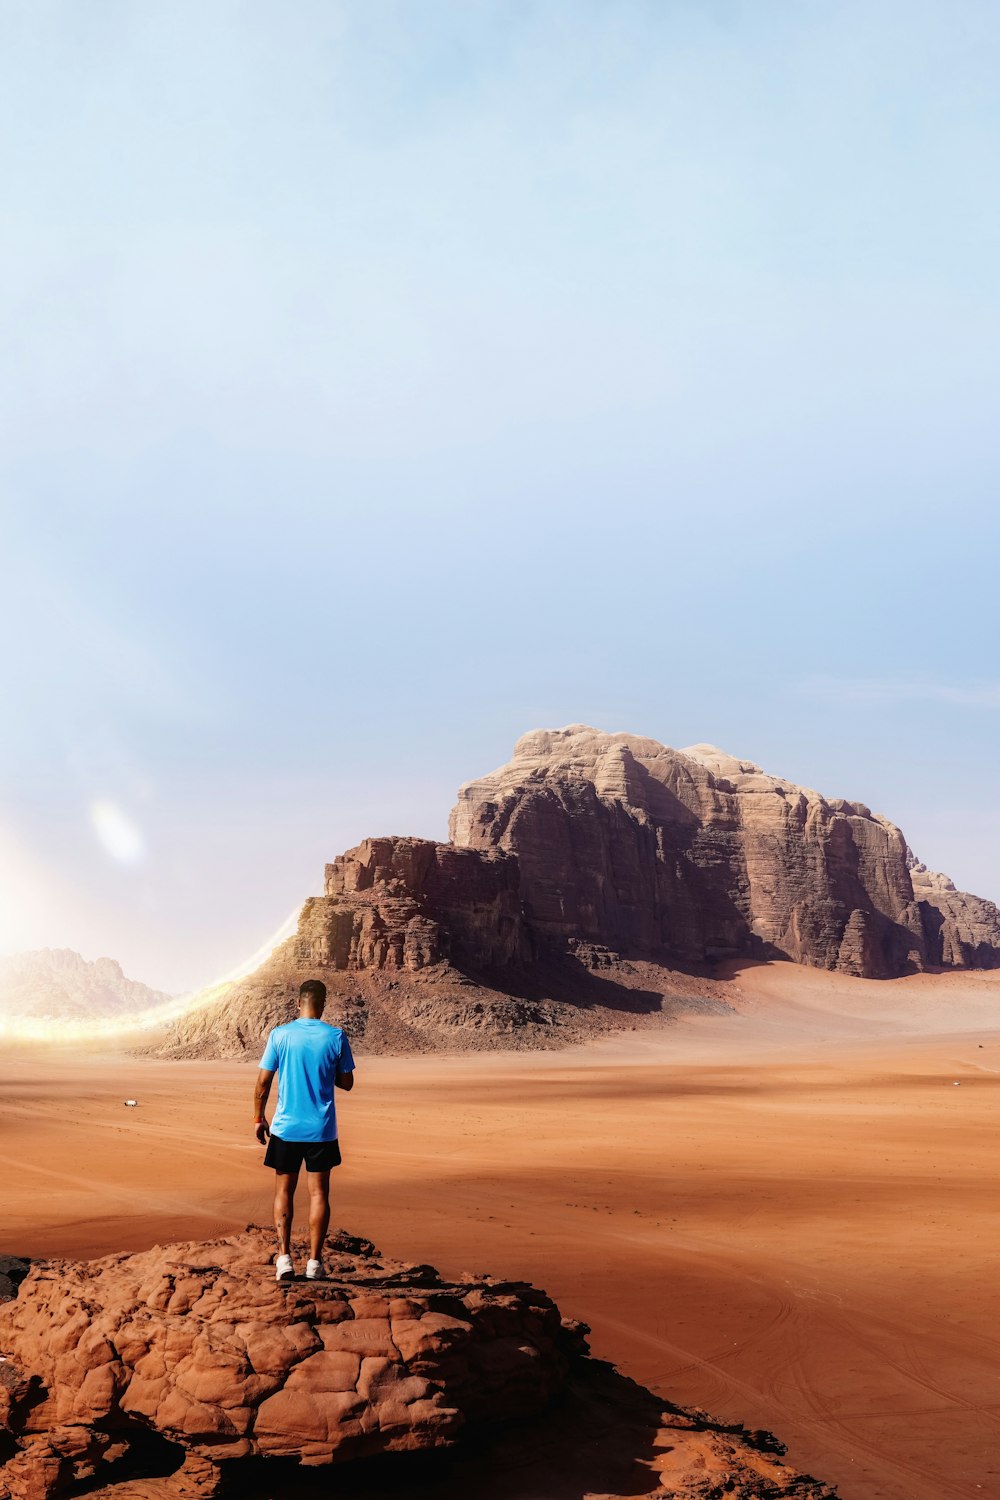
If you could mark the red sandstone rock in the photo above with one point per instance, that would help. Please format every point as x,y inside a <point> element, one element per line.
<point>198,1344</point>
<point>201,1344</point>
<point>405,903</point>
<point>693,855</point>
<point>960,930</point>
<point>592,855</point>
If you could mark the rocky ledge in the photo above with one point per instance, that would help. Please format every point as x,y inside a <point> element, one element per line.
<point>189,1365</point>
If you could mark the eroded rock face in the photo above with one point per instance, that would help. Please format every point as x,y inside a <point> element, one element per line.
<point>406,903</point>
<point>578,879</point>
<point>694,854</point>
<point>960,930</point>
<point>197,1342</point>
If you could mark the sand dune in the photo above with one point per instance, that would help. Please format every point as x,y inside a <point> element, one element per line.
<point>787,1215</point>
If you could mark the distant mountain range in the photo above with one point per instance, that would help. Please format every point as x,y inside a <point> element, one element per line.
<point>582,885</point>
<point>59,984</point>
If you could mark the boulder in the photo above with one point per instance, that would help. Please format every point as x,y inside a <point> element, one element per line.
<point>197,1343</point>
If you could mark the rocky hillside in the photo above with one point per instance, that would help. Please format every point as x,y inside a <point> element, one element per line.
<point>59,984</point>
<point>593,882</point>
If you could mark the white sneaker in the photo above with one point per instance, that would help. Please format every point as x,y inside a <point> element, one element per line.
<point>314,1271</point>
<point>283,1268</point>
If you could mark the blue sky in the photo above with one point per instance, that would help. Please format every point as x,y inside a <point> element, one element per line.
<point>382,381</point>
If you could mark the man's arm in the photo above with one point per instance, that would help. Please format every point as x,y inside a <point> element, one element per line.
<point>261,1090</point>
<point>344,1077</point>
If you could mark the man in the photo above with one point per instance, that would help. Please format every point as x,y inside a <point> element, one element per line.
<point>311,1058</point>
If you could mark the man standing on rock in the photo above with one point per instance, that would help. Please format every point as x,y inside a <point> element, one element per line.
<point>311,1058</point>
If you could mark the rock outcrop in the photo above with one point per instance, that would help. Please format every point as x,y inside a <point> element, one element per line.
<point>405,903</point>
<point>582,886</point>
<point>960,930</point>
<point>13,1269</point>
<point>199,1343</point>
<point>190,1360</point>
<point>692,855</point>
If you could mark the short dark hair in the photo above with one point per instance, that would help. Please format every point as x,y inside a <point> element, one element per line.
<point>313,989</point>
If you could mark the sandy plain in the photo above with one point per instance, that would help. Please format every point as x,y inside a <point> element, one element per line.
<point>788,1215</point>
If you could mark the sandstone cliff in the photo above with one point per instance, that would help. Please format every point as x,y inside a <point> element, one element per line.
<point>188,1364</point>
<point>694,854</point>
<point>590,883</point>
<point>960,930</point>
<point>404,903</point>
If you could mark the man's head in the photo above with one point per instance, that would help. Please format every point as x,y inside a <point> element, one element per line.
<point>312,998</point>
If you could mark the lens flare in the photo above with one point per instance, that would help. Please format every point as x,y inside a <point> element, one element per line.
<point>119,834</point>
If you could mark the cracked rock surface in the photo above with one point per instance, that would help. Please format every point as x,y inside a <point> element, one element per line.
<point>198,1342</point>
<point>187,1370</point>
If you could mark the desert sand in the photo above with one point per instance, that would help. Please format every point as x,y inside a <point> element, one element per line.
<point>787,1215</point>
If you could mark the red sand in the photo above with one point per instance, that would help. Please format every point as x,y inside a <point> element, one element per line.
<point>788,1216</point>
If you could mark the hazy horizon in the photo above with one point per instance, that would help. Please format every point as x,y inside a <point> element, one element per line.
<point>383,384</point>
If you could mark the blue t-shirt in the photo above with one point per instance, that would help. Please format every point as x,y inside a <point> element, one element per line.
<point>307,1055</point>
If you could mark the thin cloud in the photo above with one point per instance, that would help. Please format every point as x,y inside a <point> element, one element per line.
<point>887,690</point>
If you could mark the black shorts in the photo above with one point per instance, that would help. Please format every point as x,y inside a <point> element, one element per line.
<point>288,1156</point>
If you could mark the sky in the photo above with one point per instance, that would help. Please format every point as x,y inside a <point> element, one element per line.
<point>380,381</point>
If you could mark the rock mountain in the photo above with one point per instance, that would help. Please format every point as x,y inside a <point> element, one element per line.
<point>60,984</point>
<point>588,883</point>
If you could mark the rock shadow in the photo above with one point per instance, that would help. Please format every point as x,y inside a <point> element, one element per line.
<point>605,1435</point>
<point>566,980</point>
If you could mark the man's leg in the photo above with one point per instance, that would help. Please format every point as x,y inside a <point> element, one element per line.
<point>319,1211</point>
<point>284,1194</point>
